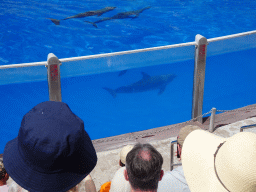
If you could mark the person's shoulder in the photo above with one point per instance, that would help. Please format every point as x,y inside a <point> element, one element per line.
<point>173,181</point>
<point>174,171</point>
<point>4,188</point>
<point>119,173</point>
<point>13,186</point>
<point>118,183</point>
<point>178,169</point>
<point>121,169</point>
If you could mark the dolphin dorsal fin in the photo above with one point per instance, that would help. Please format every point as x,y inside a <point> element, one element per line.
<point>145,75</point>
<point>161,90</point>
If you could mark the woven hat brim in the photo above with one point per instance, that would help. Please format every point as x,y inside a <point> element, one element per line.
<point>33,180</point>
<point>198,161</point>
<point>123,153</point>
<point>184,132</point>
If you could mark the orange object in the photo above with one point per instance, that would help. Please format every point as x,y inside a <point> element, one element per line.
<point>105,187</point>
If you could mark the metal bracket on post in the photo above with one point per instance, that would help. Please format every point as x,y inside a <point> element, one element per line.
<point>172,165</point>
<point>246,127</point>
<point>211,127</point>
<point>199,76</point>
<point>53,76</point>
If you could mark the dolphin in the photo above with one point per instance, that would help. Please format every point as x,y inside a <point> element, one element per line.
<point>85,14</point>
<point>55,21</point>
<point>122,15</point>
<point>147,83</point>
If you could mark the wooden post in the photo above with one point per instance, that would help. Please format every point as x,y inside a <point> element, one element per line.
<point>199,76</point>
<point>53,76</point>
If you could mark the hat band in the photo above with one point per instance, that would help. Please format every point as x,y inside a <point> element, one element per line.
<point>215,166</point>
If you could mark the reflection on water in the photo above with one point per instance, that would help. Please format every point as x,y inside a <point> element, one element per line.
<point>28,36</point>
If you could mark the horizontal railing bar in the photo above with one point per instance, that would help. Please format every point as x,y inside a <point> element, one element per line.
<point>99,55</point>
<point>23,65</point>
<point>230,36</point>
<point>126,52</point>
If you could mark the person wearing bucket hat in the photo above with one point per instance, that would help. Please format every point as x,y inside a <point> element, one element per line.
<point>215,164</point>
<point>52,152</point>
<point>174,180</point>
<point>118,182</point>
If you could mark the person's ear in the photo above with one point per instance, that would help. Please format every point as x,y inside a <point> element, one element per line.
<point>126,175</point>
<point>161,175</point>
<point>6,176</point>
<point>179,149</point>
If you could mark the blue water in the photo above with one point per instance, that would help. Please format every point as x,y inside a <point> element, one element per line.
<point>27,36</point>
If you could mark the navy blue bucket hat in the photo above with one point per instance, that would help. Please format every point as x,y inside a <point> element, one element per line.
<point>52,152</point>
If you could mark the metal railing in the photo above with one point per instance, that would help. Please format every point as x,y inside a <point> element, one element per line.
<point>172,150</point>
<point>247,127</point>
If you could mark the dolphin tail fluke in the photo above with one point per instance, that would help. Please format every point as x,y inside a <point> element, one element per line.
<point>55,21</point>
<point>91,23</point>
<point>111,91</point>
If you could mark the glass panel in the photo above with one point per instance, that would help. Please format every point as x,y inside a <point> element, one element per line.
<point>126,61</point>
<point>231,45</point>
<point>18,98</point>
<point>88,86</point>
<point>230,76</point>
<point>112,104</point>
<point>23,74</point>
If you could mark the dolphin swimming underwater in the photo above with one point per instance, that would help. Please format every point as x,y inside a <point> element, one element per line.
<point>85,14</point>
<point>147,83</point>
<point>123,15</point>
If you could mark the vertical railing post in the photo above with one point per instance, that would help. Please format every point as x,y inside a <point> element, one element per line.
<point>53,76</point>
<point>211,127</point>
<point>199,75</point>
<point>171,165</point>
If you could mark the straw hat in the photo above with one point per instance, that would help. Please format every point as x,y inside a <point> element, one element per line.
<point>125,150</point>
<point>235,162</point>
<point>185,131</point>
